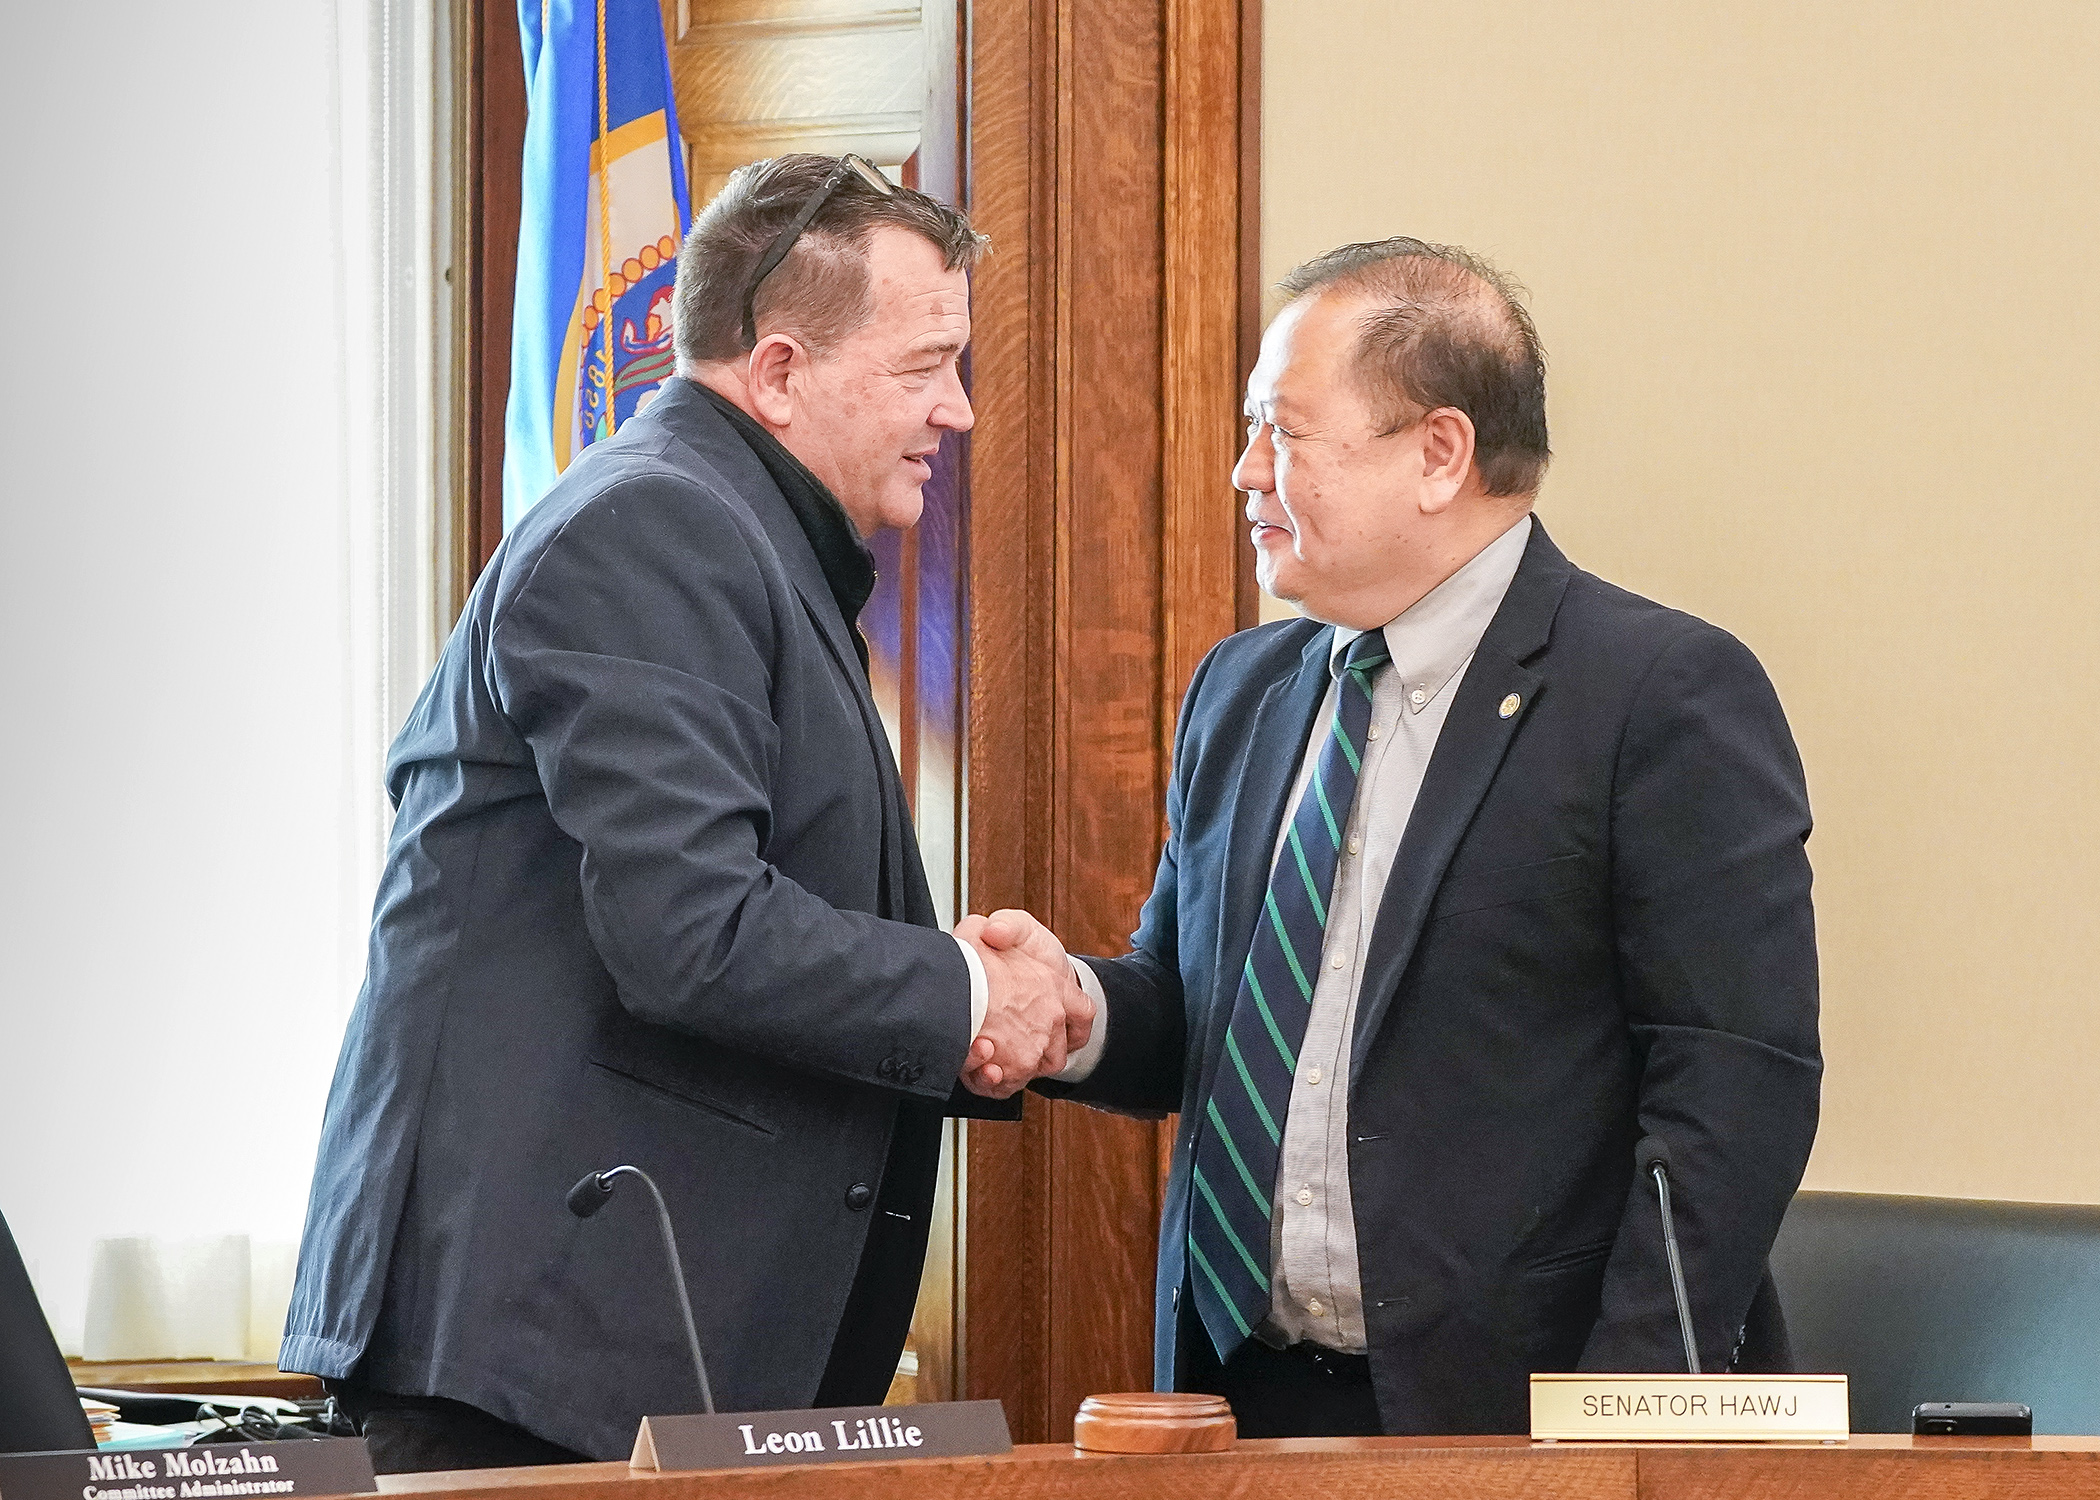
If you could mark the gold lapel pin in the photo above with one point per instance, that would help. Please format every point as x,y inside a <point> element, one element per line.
<point>1510,705</point>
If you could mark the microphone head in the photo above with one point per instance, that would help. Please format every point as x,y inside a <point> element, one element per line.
<point>1652,1152</point>
<point>590,1195</point>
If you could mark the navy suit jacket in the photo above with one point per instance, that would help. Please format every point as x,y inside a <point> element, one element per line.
<point>1597,926</point>
<point>651,897</point>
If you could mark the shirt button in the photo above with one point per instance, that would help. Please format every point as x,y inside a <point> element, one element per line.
<point>1315,1309</point>
<point>1418,697</point>
<point>1355,844</point>
<point>1305,1197</point>
<point>1312,1075</point>
<point>1372,732</point>
<point>1337,961</point>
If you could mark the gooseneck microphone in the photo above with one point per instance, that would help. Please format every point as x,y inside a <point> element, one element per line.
<point>592,1194</point>
<point>1652,1159</point>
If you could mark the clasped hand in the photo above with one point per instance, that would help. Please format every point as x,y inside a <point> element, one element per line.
<point>1037,1014</point>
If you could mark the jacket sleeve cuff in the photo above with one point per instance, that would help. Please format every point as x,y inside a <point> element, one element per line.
<point>1081,1064</point>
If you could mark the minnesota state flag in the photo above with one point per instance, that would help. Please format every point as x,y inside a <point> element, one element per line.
<point>604,208</point>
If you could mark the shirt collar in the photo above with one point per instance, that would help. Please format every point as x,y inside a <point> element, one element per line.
<point>848,565</point>
<point>1438,633</point>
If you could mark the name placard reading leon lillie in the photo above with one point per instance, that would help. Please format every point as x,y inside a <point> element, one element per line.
<point>838,1434</point>
<point>1691,1408</point>
<point>211,1471</point>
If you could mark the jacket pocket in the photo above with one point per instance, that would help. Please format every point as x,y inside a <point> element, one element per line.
<point>690,1070</point>
<point>1539,881</point>
<point>1561,1260</point>
<point>1553,1305</point>
<point>683,1093</point>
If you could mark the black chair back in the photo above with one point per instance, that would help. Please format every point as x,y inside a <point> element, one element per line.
<point>38,1408</point>
<point>1946,1299</point>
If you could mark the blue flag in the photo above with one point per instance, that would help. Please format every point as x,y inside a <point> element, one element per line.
<point>604,209</point>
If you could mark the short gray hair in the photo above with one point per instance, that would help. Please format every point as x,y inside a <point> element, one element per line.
<point>1445,328</point>
<point>820,292</point>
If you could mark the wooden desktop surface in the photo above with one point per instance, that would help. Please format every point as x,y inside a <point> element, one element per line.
<point>1403,1468</point>
<point>201,1377</point>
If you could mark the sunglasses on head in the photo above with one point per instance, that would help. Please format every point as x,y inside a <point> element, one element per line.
<point>850,166</point>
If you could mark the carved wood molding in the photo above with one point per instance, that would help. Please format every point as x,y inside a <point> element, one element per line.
<point>1200,374</point>
<point>752,20</point>
<point>758,78</point>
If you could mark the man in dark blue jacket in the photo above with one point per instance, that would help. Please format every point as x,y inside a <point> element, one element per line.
<point>653,895</point>
<point>1475,877</point>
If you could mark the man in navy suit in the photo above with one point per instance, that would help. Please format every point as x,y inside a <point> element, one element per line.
<point>653,895</point>
<point>1475,876</point>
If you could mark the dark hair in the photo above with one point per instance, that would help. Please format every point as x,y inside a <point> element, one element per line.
<point>1445,328</point>
<point>820,292</point>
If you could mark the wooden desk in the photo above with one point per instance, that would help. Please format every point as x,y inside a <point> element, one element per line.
<point>1471,1468</point>
<point>203,1377</point>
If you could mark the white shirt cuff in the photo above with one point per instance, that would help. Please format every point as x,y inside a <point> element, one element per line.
<point>1080,1065</point>
<point>980,988</point>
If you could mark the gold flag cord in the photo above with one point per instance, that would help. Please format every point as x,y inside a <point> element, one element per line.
<point>605,266</point>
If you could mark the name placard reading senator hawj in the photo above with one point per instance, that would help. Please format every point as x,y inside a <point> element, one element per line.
<point>210,1471</point>
<point>1690,1408</point>
<point>838,1434</point>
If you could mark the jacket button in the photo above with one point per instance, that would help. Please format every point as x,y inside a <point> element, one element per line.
<point>859,1196</point>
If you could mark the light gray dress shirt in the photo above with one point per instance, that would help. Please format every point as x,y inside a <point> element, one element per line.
<point>1316,1293</point>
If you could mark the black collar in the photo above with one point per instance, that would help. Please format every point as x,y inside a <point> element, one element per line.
<point>849,568</point>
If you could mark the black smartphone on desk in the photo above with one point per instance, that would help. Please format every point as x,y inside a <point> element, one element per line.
<point>1971,1419</point>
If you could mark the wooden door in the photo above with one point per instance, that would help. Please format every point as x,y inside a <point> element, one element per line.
<point>1111,153</point>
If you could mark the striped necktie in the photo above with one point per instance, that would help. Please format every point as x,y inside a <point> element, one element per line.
<point>1241,1133</point>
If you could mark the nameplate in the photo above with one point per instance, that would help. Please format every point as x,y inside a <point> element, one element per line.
<point>1690,1408</point>
<point>834,1435</point>
<point>209,1471</point>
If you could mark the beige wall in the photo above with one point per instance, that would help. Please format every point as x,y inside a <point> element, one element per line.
<point>1818,285</point>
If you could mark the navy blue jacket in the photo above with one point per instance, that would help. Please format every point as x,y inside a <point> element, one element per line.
<point>1597,926</point>
<point>651,897</point>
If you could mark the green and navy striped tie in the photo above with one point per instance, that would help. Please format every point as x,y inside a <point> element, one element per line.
<point>1241,1133</point>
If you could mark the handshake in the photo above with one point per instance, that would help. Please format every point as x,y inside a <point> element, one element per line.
<point>1037,1016</point>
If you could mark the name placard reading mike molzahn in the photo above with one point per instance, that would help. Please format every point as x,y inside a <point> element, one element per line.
<point>837,1434</point>
<point>207,1471</point>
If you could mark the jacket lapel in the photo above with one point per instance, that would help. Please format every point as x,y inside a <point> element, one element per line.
<point>689,417</point>
<point>1468,754</point>
<point>903,899</point>
<point>1282,723</point>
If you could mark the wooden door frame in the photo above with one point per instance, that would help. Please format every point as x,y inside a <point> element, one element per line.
<point>1114,153</point>
<point>491,155</point>
<point>1111,148</point>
